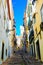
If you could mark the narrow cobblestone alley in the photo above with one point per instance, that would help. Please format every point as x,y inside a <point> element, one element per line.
<point>21,32</point>
<point>22,59</point>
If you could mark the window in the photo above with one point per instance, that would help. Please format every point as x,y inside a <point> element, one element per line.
<point>29,10</point>
<point>34,19</point>
<point>36,30</point>
<point>42,13</point>
<point>6,52</point>
<point>4,16</point>
<point>31,36</point>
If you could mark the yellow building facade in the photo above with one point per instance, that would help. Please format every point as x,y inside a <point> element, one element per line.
<point>38,33</point>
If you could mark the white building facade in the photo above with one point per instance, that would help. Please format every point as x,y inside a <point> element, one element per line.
<point>4,41</point>
<point>6,29</point>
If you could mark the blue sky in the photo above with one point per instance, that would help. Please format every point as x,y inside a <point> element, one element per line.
<point>19,7</point>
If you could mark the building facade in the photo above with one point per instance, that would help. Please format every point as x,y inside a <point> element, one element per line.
<point>4,41</point>
<point>38,28</point>
<point>11,26</point>
<point>35,18</point>
<point>7,30</point>
<point>28,20</point>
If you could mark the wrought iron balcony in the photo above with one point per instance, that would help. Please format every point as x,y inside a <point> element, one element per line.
<point>7,30</point>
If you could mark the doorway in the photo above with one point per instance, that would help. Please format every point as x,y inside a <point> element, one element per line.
<point>38,49</point>
<point>2,56</point>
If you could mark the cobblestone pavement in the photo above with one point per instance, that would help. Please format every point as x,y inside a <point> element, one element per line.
<point>22,59</point>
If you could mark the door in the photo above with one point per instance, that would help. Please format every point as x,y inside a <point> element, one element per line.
<point>38,49</point>
<point>2,51</point>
